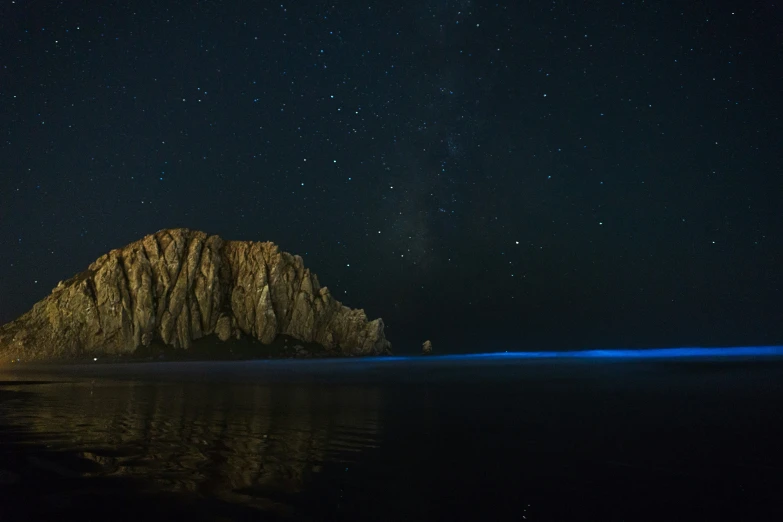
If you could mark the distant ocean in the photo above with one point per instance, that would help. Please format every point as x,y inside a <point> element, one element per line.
<point>515,437</point>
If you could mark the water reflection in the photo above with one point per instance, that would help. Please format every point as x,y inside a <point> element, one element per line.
<point>408,440</point>
<point>241,443</point>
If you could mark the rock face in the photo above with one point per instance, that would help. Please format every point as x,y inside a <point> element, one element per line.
<point>179,285</point>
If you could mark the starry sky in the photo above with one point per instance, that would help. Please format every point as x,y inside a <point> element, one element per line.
<point>491,176</point>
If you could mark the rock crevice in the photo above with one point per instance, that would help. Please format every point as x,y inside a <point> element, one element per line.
<point>177,286</point>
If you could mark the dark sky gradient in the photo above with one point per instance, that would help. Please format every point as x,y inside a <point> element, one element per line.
<point>492,176</point>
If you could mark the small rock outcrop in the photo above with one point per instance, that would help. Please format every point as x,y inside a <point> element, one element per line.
<point>177,286</point>
<point>426,347</point>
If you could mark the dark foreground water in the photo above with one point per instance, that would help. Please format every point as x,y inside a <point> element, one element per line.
<point>426,439</point>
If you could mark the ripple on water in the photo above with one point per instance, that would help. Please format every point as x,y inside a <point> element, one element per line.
<point>245,443</point>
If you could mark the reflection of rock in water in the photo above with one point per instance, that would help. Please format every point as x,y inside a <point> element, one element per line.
<point>243,443</point>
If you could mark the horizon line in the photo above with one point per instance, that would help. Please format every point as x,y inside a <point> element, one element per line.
<point>605,353</point>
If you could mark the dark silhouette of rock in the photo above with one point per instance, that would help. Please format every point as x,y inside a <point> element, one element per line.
<point>426,347</point>
<point>180,285</point>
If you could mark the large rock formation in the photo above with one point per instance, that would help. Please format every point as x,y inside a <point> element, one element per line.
<point>179,285</point>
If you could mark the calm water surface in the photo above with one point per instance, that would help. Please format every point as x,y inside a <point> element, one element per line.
<point>397,439</point>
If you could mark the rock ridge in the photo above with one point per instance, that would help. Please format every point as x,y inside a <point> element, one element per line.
<point>179,285</point>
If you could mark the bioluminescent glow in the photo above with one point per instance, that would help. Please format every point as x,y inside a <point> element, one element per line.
<point>648,353</point>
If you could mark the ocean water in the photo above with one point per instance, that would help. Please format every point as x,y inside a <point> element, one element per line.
<point>454,438</point>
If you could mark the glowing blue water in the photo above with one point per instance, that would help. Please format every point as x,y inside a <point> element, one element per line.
<point>649,353</point>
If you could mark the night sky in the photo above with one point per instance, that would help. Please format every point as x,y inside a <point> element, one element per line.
<point>491,176</point>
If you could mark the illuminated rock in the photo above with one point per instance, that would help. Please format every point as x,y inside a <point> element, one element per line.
<point>177,286</point>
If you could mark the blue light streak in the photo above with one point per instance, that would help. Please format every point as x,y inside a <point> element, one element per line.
<point>646,353</point>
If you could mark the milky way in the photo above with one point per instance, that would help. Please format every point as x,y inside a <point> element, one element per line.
<point>601,174</point>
